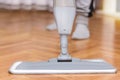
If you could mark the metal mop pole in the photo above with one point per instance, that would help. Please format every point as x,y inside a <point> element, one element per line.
<point>64,55</point>
<point>64,11</point>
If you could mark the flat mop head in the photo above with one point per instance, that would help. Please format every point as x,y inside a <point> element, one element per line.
<point>54,67</point>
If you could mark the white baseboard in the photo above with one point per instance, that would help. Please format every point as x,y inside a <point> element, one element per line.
<point>108,14</point>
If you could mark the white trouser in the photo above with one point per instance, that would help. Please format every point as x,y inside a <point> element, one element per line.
<point>84,7</point>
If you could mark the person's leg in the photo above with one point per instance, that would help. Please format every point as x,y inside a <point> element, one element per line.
<point>50,8</point>
<point>84,11</point>
<point>50,5</point>
<point>51,26</point>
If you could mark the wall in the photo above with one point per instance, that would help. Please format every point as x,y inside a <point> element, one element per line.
<point>118,5</point>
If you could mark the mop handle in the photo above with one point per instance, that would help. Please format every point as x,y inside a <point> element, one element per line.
<point>64,3</point>
<point>64,12</point>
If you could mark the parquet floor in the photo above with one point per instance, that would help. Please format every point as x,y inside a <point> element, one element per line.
<point>23,37</point>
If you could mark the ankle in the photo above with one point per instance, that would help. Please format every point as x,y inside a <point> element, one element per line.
<point>82,20</point>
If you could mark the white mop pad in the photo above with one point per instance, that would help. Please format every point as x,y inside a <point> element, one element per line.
<point>54,67</point>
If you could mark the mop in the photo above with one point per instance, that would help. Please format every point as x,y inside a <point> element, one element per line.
<point>64,12</point>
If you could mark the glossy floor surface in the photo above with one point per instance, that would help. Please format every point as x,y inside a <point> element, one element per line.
<point>23,37</point>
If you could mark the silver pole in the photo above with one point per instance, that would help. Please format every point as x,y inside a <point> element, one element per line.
<point>64,55</point>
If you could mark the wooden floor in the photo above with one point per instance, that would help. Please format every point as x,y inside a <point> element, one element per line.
<point>23,37</point>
